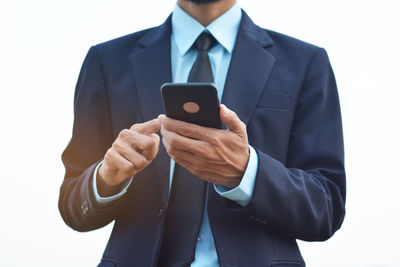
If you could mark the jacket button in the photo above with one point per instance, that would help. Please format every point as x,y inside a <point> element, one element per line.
<point>160,214</point>
<point>84,207</point>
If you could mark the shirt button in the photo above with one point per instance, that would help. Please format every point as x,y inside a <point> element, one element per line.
<point>200,238</point>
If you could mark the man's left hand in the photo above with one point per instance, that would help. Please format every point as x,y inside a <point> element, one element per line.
<point>217,156</point>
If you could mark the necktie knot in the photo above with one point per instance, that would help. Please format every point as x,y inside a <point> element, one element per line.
<point>205,42</point>
<point>201,70</point>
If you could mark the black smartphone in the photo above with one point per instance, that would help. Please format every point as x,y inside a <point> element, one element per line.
<point>192,102</point>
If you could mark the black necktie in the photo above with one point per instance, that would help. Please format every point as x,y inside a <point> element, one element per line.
<point>201,70</point>
<point>186,202</point>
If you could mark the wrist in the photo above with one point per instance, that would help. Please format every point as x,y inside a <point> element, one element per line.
<point>101,177</point>
<point>233,182</point>
<point>106,188</point>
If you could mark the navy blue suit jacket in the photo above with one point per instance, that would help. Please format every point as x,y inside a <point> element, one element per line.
<point>283,90</point>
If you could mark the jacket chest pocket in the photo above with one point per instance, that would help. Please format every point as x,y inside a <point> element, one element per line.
<point>270,124</point>
<point>275,101</point>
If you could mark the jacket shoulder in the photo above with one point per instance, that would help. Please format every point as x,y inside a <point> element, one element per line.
<point>286,46</point>
<point>292,51</point>
<point>286,41</point>
<point>122,45</point>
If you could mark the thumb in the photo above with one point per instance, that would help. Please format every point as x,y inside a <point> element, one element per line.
<point>231,120</point>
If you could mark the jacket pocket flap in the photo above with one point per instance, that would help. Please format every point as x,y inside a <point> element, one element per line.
<point>279,101</point>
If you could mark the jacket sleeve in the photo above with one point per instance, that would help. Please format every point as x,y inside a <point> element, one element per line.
<point>305,198</point>
<point>91,137</point>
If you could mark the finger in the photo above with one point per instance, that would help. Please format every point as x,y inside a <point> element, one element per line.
<point>116,162</point>
<point>193,162</point>
<point>173,152</point>
<point>201,163</point>
<point>144,144</point>
<point>187,129</point>
<point>174,141</point>
<point>231,120</point>
<point>187,165</point>
<point>147,127</point>
<point>151,153</point>
<point>192,168</point>
<point>181,155</point>
<point>136,158</point>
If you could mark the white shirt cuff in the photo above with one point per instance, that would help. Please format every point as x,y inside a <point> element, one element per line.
<point>105,200</point>
<point>243,192</point>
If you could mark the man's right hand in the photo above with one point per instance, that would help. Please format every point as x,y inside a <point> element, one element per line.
<point>131,152</point>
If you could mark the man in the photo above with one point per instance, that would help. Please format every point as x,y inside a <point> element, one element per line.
<point>206,197</point>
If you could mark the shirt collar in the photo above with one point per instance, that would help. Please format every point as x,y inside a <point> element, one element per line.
<point>186,29</point>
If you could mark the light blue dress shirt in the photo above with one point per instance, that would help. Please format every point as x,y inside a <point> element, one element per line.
<point>185,31</point>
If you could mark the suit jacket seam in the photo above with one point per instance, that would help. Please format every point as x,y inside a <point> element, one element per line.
<point>306,74</point>
<point>108,106</point>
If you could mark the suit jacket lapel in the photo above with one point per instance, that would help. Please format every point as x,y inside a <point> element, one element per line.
<point>249,70</point>
<point>248,73</point>
<point>152,68</point>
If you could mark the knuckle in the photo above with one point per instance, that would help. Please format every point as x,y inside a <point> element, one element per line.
<point>214,139</point>
<point>109,151</point>
<point>156,141</point>
<point>209,155</point>
<point>128,168</point>
<point>169,150</point>
<point>141,162</point>
<point>117,146</point>
<point>155,136</point>
<point>109,154</point>
<point>149,143</point>
<point>124,133</point>
<point>184,131</point>
<point>173,151</point>
<point>135,126</point>
<point>113,153</point>
<point>153,155</point>
<point>153,142</point>
<point>173,140</point>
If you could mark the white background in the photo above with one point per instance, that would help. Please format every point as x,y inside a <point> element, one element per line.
<point>43,44</point>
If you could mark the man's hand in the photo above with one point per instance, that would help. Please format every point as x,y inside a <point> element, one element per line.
<point>132,151</point>
<point>217,156</point>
